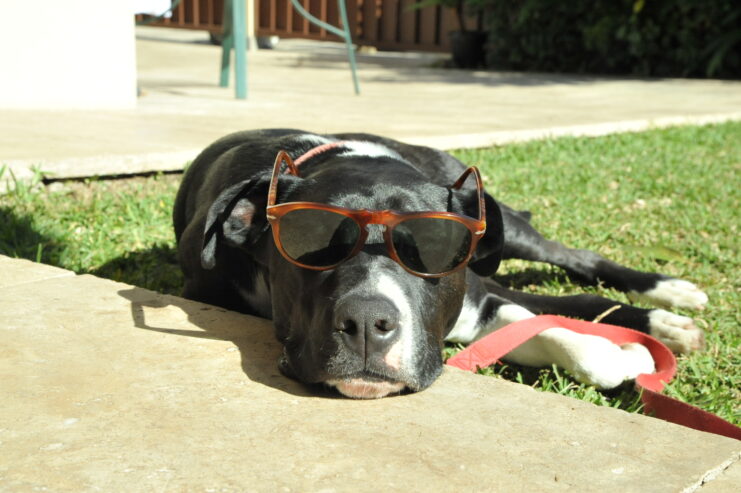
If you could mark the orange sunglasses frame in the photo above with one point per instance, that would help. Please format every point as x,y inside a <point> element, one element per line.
<point>363,217</point>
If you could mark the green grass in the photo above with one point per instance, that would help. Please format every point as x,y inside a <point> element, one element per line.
<point>119,229</point>
<point>664,200</point>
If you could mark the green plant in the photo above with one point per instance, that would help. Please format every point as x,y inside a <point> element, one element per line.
<point>21,186</point>
<point>688,38</point>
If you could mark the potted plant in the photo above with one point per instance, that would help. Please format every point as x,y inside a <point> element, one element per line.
<point>466,46</point>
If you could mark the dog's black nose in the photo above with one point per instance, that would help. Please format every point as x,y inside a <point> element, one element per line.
<point>367,324</point>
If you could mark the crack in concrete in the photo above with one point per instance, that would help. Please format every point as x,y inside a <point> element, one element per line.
<point>713,473</point>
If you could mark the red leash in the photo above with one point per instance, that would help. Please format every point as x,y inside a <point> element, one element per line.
<point>494,346</point>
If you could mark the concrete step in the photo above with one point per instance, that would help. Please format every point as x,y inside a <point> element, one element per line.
<point>115,388</point>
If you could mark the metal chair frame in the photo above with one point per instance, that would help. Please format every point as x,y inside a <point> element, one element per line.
<point>235,38</point>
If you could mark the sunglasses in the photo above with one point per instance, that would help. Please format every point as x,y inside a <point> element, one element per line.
<point>321,236</point>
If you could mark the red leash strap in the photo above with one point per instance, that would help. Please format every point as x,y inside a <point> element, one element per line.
<point>494,346</point>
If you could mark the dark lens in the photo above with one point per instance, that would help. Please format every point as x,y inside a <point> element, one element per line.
<point>431,245</point>
<point>316,237</point>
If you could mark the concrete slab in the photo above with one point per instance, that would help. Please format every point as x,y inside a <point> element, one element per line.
<point>727,481</point>
<point>307,85</point>
<point>20,271</point>
<point>110,387</point>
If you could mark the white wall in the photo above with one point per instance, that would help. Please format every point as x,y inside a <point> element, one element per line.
<point>64,54</point>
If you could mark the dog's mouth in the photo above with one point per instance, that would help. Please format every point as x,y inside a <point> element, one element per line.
<point>366,387</point>
<point>362,385</point>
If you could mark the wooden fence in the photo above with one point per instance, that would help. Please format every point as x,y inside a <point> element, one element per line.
<point>384,24</point>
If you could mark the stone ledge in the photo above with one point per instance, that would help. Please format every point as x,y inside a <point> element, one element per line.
<point>20,271</point>
<point>112,387</point>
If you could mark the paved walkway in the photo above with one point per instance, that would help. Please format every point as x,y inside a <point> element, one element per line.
<point>108,387</point>
<point>307,85</point>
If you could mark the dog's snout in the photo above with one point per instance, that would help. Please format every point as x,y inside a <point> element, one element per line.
<point>368,324</point>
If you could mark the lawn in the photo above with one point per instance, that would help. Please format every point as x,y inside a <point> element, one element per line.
<point>663,200</point>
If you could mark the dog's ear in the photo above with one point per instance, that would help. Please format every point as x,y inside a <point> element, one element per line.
<point>488,254</point>
<point>237,216</point>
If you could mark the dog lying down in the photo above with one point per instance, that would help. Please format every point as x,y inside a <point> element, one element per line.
<point>368,254</point>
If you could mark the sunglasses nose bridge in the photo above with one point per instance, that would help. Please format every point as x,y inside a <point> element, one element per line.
<point>372,221</point>
<point>377,217</point>
<point>379,221</point>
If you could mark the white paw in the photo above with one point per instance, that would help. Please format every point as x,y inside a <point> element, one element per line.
<point>590,359</point>
<point>679,333</point>
<point>638,360</point>
<point>673,292</point>
<point>595,360</point>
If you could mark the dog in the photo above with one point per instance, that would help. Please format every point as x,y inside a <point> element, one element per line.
<point>368,254</point>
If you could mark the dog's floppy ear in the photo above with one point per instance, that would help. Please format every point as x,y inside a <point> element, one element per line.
<point>488,254</point>
<point>237,216</point>
<point>231,201</point>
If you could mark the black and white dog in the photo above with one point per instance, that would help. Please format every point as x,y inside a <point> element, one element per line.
<point>367,326</point>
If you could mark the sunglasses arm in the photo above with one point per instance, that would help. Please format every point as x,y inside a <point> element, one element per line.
<point>292,169</point>
<point>479,188</point>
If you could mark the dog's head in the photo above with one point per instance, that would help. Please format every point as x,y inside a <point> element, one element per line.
<point>367,326</point>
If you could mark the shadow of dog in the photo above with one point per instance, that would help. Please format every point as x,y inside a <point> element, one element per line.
<point>252,336</point>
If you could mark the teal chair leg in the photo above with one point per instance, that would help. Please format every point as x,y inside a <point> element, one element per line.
<point>348,44</point>
<point>239,21</point>
<point>343,33</point>
<point>235,38</point>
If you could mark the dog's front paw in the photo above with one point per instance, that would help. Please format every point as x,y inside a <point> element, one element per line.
<point>672,292</point>
<point>594,360</point>
<point>679,333</point>
<point>610,365</point>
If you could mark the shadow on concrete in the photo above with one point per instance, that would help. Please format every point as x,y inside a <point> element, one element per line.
<point>404,70</point>
<point>196,38</point>
<point>155,268</point>
<point>433,68</point>
<point>171,86</point>
<point>407,66</point>
<point>252,336</point>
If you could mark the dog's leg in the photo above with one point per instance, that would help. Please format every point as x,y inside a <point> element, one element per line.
<point>238,287</point>
<point>524,242</point>
<point>590,359</point>
<point>679,333</point>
